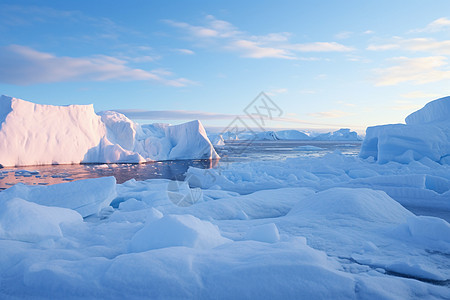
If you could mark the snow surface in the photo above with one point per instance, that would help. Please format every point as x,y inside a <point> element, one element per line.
<point>425,134</point>
<point>330,227</point>
<point>35,134</point>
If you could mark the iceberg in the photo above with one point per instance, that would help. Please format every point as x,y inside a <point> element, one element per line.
<point>343,134</point>
<point>36,134</point>
<point>292,135</point>
<point>425,134</point>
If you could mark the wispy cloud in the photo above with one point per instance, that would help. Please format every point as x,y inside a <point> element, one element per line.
<point>138,114</point>
<point>418,70</point>
<point>225,36</point>
<point>185,51</point>
<point>346,103</point>
<point>18,15</point>
<point>415,45</point>
<point>435,26</point>
<point>24,66</point>
<point>274,92</point>
<point>319,47</point>
<point>32,15</point>
<point>330,114</point>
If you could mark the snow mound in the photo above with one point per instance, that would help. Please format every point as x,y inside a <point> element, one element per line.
<point>267,233</point>
<point>36,134</point>
<point>429,228</point>
<point>177,230</point>
<point>347,203</point>
<point>87,196</point>
<point>426,134</point>
<point>30,222</point>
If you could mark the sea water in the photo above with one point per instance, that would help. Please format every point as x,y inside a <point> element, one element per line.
<point>234,151</point>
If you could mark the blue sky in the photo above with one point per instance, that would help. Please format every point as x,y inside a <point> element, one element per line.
<point>324,63</point>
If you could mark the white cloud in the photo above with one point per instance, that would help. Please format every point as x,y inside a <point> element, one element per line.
<point>420,94</point>
<point>274,92</point>
<point>23,66</point>
<point>435,26</point>
<point>330,114</point>
<point>225,36</point>
<point>418,70</point>
<point>185,51</point>
<point>253,50</point>
<point>415,45</point>
<point>383,47</point>
<point>319,47</point>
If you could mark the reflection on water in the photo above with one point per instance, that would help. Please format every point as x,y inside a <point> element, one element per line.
<point>51,174</point>
<point>239,151</point>
<point>235,151</point>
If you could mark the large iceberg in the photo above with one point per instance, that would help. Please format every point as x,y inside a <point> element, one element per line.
<point>36,134</point>
<point>425,134</point>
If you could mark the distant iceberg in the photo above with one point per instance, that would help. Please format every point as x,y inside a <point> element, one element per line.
<point>36,134</point>
<point>343,134</point>
<point>425,134</point>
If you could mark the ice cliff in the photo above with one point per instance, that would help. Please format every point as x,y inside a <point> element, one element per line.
<point>36,134</point>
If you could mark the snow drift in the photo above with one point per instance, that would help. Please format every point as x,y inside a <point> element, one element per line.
<point>36,134</point>
<point>425,134</point>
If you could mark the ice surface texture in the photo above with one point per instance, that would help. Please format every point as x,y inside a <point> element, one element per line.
<point>341,243</point>
<point>35,134</point>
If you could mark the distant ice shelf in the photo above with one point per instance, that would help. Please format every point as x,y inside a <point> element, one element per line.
<point>343,134</point>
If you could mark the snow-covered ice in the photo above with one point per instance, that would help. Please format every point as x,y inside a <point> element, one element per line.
<point>87,197</point>
<point>331,227</point>
<point>36,134</point>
